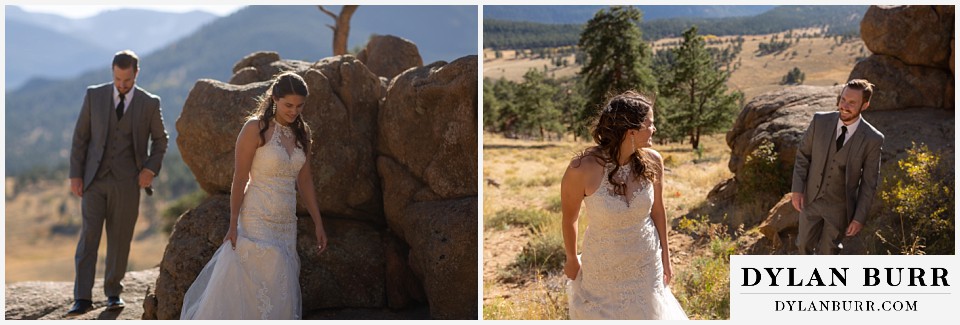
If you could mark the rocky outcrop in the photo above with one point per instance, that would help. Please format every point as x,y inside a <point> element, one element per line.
<point>779,117</point>
<point>341,110</point>
<point>196,236</point>
<point>260,66</point>
<point>904,86</point>
<point>388,55</point>
<point>349,274</point>
<point>782,116</point>
<point>912,61</point>
<point>781,223</point>
<point>52,300</point>
<point>912,104</point>
<point>917,35</point>
<point>427,146</point>
<point>394,162</point>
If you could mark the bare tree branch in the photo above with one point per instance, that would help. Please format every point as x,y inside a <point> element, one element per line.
<point>341,27</point>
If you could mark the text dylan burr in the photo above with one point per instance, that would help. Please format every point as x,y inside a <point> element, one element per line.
<point>889,276</point>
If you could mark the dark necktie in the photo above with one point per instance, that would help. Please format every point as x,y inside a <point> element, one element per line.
<point>843,134</point>
<point>120,108</point>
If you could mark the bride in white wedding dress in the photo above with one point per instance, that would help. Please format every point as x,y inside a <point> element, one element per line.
<point>255,273</point>
<point>624,268</point>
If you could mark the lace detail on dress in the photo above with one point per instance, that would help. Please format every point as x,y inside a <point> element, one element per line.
<point>624,174</point>
<point>621,274</point>
<point>260,279</point>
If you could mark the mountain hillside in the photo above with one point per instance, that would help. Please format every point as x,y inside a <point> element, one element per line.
<point>36,52</point>
<point>49,46</point>
<point>502,34</point>
<point>40,118</point>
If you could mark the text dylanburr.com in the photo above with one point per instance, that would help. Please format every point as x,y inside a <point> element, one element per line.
<point>835,288</point>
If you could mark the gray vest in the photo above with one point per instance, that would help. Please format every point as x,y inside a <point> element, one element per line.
<point>118,155</point>
<point>833,185</point>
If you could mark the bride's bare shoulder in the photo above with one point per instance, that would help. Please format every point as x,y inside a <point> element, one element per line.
<point>587,162</point>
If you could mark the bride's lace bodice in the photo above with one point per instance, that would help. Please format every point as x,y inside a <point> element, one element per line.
<point>269,205</point>
<point>260,278</point>
<point>621,274</point>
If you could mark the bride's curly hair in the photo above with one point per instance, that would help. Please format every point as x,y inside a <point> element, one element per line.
<point>622,112</point>
<point>284,83</point>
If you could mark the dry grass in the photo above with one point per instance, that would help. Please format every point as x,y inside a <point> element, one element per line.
<point>822,65</point>
<point>42,228</point>
<point>512,68</point>
<point>529,175</point>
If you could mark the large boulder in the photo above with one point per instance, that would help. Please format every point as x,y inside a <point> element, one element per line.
<point>779,117</point>
<point>196,236</point>
<point>212,117</point>
<point>427,145</point>
<point>917,35</point>
<point>50,300</point>
<point>349,274</point>
<point>341,110</point>
<point>261,66</point>
<point>912,64</point>
<point>782,116</point>
<point>904,86</point>
<point>443,254</point>
<point>428,126</point>
<point>388,55</point>
<point>781,223</point>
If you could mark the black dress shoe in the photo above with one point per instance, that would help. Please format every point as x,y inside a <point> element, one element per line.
<point>80,307</point>
<point>114,303</point>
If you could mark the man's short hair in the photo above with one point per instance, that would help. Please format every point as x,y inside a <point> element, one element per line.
<point>861,84</point>
<point>126,59</point>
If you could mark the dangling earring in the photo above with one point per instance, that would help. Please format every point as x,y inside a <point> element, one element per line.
<point>633,144</point>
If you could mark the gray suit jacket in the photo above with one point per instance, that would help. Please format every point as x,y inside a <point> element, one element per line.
<point>90,134</point>
<point>863,163</point>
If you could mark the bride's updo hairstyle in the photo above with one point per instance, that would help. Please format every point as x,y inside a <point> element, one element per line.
<point>284,83</point>
<point>622,112</point>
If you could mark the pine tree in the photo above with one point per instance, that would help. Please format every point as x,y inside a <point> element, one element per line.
<point>697,101</point>
<point>617,59</point>
<point>538,113</point>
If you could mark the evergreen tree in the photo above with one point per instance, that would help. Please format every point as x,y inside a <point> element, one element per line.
<point>576,112</point>
<point>490,106</point>
<point>793,77</point>
<point>617,58</point>
<point>697,101</point>
<point>538,112</point>
<point>506,112</point>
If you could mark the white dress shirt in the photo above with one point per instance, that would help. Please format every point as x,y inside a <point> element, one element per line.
<point>850,129</point>
<point>126,98</point>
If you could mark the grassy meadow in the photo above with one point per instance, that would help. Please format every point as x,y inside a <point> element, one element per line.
<point>822,60</point>
<point>523,245</point>
<point>42,226</point>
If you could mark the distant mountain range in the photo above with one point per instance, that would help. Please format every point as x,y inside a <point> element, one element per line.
<point>51,46</point>
<point>581,14</point>
<point>41,115</point>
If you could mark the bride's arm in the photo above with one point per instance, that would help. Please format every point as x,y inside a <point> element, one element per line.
<point>308,194</point>
<point>572,189</point>
<point>246,147</point>
<point>659,215</point>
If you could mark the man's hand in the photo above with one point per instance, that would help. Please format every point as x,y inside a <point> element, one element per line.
<point>797,200</point>
<point>854,228</point>
<point>76,186</point>
<point>146,177</point>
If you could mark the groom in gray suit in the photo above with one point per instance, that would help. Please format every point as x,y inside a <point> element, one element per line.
<point>836,171</point>
<point>109,163</point>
